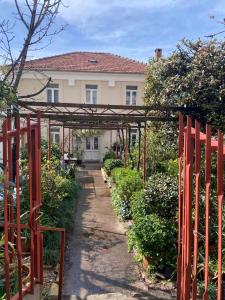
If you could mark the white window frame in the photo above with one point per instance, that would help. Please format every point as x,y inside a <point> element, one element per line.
<point>55,131</point>
<point>134,132</point>
<point>132,90</point>
<point>91,141</point>
<point>52,88</point>
<point>92,89</point>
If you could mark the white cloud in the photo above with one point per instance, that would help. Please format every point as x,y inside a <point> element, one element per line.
<point>81,11</point>
<point>105,20</point>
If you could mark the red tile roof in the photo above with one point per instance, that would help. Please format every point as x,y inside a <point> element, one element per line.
<point>87,62</point>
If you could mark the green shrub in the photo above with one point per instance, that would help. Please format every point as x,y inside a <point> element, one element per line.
<point>122,207</point>
<point>154,230</point>
<point>57,210</point>
<point>127,182</point>
<point>55,152</point>
<point>111,164</point>
<point>156,239</point>
<point>109,155</point>
<point>159,197</point>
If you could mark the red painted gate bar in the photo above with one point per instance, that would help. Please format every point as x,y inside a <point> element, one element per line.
<point>12,216</point>
<point>191,143</point>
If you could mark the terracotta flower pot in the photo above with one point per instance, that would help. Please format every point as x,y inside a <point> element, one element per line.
<point>145,263</point>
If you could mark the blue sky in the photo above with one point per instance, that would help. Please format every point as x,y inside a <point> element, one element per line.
<point>132,28</point>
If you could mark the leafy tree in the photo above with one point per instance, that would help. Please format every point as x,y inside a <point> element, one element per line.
<point>192,75</point>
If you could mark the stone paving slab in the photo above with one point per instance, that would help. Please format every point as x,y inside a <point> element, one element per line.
<point>97,260</point>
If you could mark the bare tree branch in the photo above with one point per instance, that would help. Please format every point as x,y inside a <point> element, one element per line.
<point>38,92</point>
<point>212,35</point>
<point>38,18</point>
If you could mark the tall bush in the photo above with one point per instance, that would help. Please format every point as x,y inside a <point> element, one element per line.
<point>155,238</point>
<point>154,230</point>
<point>127,182</point>
<point>57,210</point>
<point>159,197</point>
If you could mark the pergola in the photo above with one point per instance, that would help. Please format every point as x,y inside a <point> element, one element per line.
<point>100,116</point>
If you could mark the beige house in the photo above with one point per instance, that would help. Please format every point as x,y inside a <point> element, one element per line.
<point>86,77</point>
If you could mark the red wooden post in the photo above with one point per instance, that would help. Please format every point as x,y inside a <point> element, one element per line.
<point>49,139</point>
<point>18,225</point>
<point>30,163</point>
<point>188,211</point>
<point>220,174</point>
<point>61,269</point>
<point>197,198</point>
<point>10,166</point>
<point>180,152</point>
<point>6,224</point>
<point>207,195</point>
<point>38,191</point>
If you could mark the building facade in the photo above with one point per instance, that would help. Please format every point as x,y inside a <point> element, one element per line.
<point>86,77</point>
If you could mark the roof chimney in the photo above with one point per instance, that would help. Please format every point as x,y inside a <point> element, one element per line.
<point>158,53</point>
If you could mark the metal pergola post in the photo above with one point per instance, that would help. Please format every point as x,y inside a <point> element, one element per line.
<point>125,148</point>
<point>63,144</point>
<point>72,141</point>
<point>145,154</point>
<point>117,135</point>
<point>49,139</point>
<point>69,145</point>
<point>139,147</point>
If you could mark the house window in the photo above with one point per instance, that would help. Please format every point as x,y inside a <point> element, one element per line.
<point>92,143</point>
<point>53,93</point>
<point>95,143</point>
<point>88,143</point>
<point>55,135</point>
<point>91,94</point>
<point>131,95</point>
<point>133,137</point>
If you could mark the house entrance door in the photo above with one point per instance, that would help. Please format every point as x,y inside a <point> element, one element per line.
<point>92,152</point>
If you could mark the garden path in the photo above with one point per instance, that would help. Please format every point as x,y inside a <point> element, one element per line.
<point>97,261</point>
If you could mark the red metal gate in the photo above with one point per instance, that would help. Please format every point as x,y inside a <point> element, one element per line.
<point>11,140</point>
<point>195,211</point>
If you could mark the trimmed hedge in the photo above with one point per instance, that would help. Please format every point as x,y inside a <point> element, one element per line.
<point>154,230</point>
<point>154,238</point>
<point>109,155</point>
<point>159,197</point>
<point>111,163</point>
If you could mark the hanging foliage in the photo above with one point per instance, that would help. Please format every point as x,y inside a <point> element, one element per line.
<point>83,133</point>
